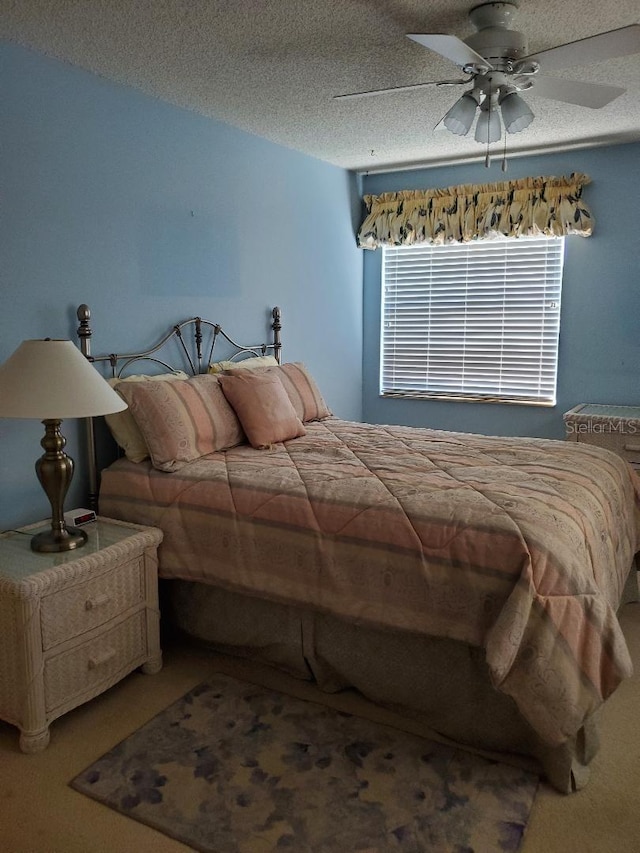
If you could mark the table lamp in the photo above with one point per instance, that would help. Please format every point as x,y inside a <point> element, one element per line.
<point>52,380</point>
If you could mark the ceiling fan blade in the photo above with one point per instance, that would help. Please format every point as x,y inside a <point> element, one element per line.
<point>393,89</point>
<point>452,48</point>
<point>596,48</point>
<point>593,95</point>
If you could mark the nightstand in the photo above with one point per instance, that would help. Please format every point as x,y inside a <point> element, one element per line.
<point>616,428</point>
<point>74,623</point>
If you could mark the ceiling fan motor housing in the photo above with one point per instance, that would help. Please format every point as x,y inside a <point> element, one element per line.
<point>494,41</point>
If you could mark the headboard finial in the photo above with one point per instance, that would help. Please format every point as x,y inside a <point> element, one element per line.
<point>277,328</point>
<point>84,329</point>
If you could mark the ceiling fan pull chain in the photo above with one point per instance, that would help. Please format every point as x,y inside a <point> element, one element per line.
<point>487,159</point>
<point>504,153</point>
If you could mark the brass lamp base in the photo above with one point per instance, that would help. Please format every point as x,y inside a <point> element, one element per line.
<point>50,541</point>
<point>55,470</point>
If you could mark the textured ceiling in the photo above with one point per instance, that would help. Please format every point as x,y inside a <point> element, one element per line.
<point>271,68</point>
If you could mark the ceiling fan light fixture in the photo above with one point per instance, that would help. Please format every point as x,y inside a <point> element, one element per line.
<point>516,113</point>
<point>460,117</point>
<point>499,69</point>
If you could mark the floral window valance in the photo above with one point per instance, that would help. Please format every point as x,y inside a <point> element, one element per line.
<point>530,206</point>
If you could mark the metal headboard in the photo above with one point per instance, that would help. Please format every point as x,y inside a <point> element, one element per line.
<point>195,338</point>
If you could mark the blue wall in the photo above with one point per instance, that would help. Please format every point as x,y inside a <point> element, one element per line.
<point>152,214</point>
<point>599,356</point>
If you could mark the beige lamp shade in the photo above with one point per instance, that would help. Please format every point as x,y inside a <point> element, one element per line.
<point>51,379</point>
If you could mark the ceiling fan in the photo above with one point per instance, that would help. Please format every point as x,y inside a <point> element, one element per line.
<point>496,63</point>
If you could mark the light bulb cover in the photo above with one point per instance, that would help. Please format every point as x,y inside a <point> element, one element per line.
<point>460,117</point>
<point>516,113</point>
<point>488,127</point>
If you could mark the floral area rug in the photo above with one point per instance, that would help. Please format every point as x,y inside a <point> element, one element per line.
<point>236,768</point>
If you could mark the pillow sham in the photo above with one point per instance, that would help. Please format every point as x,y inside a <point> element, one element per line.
<point>122,425</point>
<point>252,363</point>
<point>183,420</point>
<point>263,407</point>
<point>303,392</point>
<point>301,389</point>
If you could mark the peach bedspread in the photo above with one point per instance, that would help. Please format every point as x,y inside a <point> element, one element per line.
<point>518,546</point>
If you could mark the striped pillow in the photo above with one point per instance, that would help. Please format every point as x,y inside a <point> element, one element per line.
<point>183,420</point>
<point>123,427</point>
<point>303,391</point>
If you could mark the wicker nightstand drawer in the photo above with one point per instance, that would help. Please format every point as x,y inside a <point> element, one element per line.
<point>88,669</point>
<point>78,609</point>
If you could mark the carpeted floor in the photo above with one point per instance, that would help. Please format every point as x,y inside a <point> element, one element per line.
<point>234,768</point>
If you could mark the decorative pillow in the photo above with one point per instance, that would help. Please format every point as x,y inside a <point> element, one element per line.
<point>183,420</point>
<point>261,402</point>
<point>301,389</point>
<point>303,392</point>
<point>122,425</point>
<point>246,364</point>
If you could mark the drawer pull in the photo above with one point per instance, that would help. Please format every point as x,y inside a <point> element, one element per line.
<point>97,601</point>
<point>101,659</point>
<point>632,448</point>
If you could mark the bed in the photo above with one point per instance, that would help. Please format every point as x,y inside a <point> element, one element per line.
<point>470,581</point>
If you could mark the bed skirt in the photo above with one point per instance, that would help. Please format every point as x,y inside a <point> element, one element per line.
<point>442,684</point>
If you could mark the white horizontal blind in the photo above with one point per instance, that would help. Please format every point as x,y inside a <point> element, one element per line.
<point>473,320</point>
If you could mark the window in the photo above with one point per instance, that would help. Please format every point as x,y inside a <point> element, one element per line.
<point>473,321</point>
